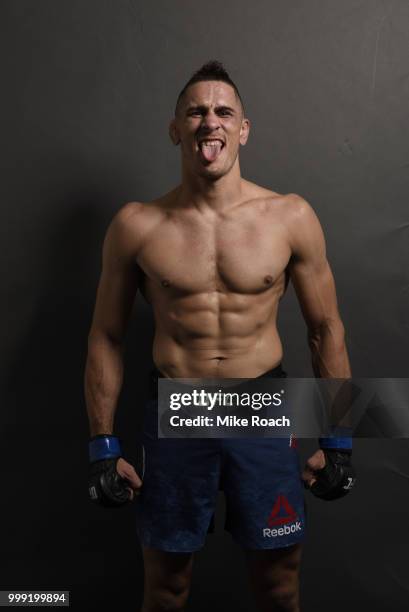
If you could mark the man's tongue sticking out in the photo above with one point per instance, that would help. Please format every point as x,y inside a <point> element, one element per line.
<point>211,150</point>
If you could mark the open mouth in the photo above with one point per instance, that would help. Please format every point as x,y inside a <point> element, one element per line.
<point>211,148</point>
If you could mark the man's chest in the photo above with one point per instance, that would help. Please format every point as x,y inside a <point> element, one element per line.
<point>241,257</point>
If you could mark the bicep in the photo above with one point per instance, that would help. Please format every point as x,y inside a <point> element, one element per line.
<point>310,271</point>
<point>315,289</point>
<point>118,283</point>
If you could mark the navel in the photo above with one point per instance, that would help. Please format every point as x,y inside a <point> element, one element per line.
<point>165,283</point>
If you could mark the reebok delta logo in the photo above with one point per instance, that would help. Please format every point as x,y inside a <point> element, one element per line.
<point>282,513</point>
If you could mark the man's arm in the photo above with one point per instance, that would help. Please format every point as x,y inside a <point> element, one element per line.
<point>116,291</point>
<point>328,472</point>
<point>315,288</point>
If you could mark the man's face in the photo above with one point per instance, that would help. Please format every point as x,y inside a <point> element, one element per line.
<point>210,127</point>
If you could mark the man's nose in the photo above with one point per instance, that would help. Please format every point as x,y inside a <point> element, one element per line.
<point>210,121</point>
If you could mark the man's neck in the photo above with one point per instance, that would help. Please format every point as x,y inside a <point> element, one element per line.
<point>217,195</point>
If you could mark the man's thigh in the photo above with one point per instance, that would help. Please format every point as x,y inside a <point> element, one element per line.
<point>264,493</point>
<point>180,483</point>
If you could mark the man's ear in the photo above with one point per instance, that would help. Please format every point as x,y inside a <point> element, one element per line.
<point>244,131</point>
<point>173,132</point>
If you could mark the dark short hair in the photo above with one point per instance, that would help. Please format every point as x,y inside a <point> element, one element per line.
<point>210,71</point>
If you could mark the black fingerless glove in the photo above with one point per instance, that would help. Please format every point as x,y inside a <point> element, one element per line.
<point>338,476</point>
<point>105,486</point>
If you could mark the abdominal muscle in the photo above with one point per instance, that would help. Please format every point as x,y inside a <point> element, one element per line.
<point>236,340</point>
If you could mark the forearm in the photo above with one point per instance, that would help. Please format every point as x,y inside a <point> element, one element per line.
<point>103,382</point>
<point>328,351</point>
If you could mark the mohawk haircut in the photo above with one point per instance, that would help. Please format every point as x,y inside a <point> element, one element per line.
<point>211,71</point>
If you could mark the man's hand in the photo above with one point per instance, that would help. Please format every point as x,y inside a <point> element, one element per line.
<point>112,480</point>
<point>128,473</point>
<point>314,463</point>
<point>329,473</point>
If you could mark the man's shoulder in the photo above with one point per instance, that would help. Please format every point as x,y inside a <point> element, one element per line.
<point>293,214</point>
<point>300,221</point>
<point>290,202</point>
<point>290,206</point>
<point>293,210</point>
<point>137,216</point>
<point>132,223</point>
<point>300,215</point>
<point>136,212</point>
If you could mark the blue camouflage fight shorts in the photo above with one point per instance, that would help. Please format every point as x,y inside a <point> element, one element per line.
<point>260,478</point>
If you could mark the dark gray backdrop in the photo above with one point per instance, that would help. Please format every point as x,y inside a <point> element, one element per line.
<point>88,89</point>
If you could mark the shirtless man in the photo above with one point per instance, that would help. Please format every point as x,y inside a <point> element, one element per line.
<point>213,257</point>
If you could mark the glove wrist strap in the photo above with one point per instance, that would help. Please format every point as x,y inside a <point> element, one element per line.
<point>104,446</point>
<point>340,438</point>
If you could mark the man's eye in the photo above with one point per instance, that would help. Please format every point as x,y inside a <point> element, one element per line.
<point>195,113</point>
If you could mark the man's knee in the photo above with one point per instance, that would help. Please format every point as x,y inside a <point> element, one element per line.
<point>275,578</point>
<point>167,581</point>
<point>166,599</point>
<point>282,598</point>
